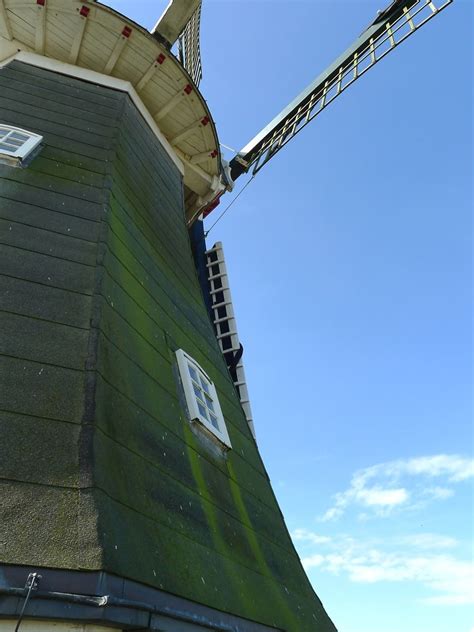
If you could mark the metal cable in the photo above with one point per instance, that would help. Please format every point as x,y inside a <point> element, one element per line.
<point>31,584</point>
<point>229,205</point>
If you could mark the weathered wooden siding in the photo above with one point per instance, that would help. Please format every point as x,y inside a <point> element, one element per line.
<point>51,214</point>
<point>101,283</point>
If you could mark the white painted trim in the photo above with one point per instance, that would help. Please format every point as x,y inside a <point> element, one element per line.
<point>174,18</point>
<point>27,146</point>
<point>184,360</point>
<point>8,49</point>
<point>241,382</point>
<point>40,34</point>
<point>77,40</point>
<point>5,22</point>
<point>98,78</point>
<point>213,181</point>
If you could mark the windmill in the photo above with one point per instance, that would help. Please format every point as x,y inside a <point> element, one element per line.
<point>134,496</point>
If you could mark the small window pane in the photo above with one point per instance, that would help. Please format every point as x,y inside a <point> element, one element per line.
<point>214,421</point>
<point>209,403</point>
<point>13,142</point>
<point>18,136</point>
<point>205,385</point>
<point>202,410</point>
<point>193,373</point>
<point>17,143</point>
<point>198,392</point>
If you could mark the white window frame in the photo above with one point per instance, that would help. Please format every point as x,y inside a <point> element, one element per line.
<point>25,148</point>
<point>185,361</point>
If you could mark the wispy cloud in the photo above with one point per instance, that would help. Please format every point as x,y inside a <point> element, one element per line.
<point>439,493</point>
<point>455,468</point>
<point>402,483</point>
<point>305,535</point>
<point>413,558</point>
<point>428,541</point>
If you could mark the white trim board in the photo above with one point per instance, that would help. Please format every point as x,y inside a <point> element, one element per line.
<point>91,76</point>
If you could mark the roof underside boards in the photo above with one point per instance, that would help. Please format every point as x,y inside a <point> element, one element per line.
<point>94,37</point>
<point>99,280</point>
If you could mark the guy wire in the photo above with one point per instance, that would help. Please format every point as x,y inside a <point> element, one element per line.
<point>229,205</point>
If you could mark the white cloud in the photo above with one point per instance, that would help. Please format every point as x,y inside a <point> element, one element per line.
<point>455,468</point>
<point>414,558</point>
<point>453,578</point>
<point>429,541</point>
<point>378,487</point>
<point>382,497</point>
<point>309,536</point>
<point>439,493</point>
<point>313,560</point>
<point>333,512</point>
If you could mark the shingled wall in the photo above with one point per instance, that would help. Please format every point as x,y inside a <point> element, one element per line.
<point>98,463</point>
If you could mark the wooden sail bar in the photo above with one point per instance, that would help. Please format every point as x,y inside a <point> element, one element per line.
<point>391,27</point>
<point>174,19</point>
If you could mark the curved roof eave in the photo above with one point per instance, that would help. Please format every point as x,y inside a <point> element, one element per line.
<point>95,37</point>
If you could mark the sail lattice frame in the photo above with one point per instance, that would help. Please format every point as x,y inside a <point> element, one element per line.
<point>384,35</point>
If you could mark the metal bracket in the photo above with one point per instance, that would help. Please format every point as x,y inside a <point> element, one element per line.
<point>31,584</point>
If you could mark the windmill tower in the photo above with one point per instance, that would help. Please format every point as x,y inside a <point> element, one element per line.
<point>133,494</point>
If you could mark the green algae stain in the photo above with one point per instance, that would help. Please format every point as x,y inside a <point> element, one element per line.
<point>214,574</point>
<point>231,583</point>
<point>241,597</point>
<point>277,600</point>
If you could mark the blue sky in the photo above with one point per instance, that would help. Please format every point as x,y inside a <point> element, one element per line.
<point>349,258</point>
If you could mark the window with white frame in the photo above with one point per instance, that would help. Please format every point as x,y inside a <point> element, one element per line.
<point>16,142</point>
<point>201,397</point>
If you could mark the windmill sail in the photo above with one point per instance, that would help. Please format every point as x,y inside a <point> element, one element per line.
<point>189,47</point>
<point>391,27</point>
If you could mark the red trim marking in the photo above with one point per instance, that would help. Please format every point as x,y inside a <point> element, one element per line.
<point>212,205</point>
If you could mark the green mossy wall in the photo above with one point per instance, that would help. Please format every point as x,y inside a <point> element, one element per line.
<point>51,217</point>
<point>100,291</point>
